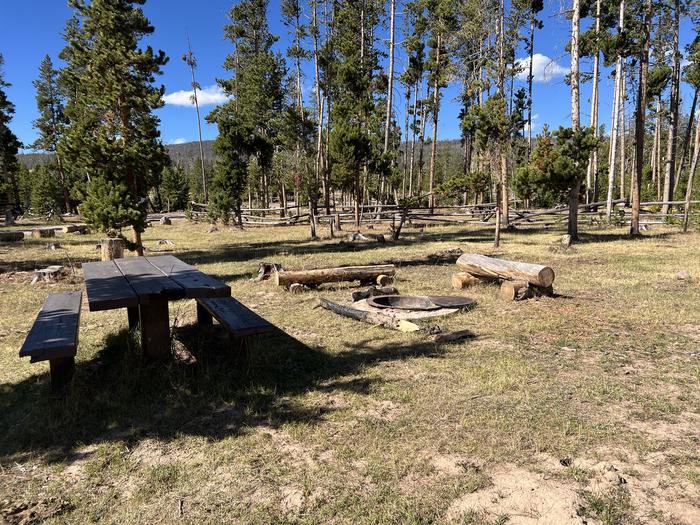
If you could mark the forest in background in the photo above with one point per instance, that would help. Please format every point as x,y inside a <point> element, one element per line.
<point>343,143</point>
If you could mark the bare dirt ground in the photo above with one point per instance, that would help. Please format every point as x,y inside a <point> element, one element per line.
<point>582,408</point>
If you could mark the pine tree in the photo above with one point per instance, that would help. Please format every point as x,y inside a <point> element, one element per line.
<point>9,146</point>
<point>248,124</point>
<point>355,68</point>
<point>441,24</point>
<point>46,193</point>
<point>52,121</point>
<point>174,188</point>
<point>112,135</point>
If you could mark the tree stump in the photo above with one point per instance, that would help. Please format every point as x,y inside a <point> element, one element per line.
<point>165,221</point>
<point>111,249</point>
<point>40,233</point>
<point>9,217</point>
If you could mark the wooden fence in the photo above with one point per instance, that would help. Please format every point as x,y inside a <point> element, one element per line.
<point>484,214</point>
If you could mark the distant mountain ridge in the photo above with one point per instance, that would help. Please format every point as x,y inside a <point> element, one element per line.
<point>179,153</point>
<point>188,152</point>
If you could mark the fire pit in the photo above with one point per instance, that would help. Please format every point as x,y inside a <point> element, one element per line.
<point>403,302</point>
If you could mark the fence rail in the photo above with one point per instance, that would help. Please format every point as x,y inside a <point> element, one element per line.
<point>484,214</point>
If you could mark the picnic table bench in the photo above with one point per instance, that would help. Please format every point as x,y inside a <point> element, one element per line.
<point>54,337</point>
<point>237,318</point>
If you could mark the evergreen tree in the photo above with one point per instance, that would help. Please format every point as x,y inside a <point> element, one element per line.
<point>9,146</point>
<point>112,136</point>
<point>355,68</point>
<point>248,124</point>
<point>174,188</point>
<point>46,193</point>
<point>558,163</point>
<point>51,122</point>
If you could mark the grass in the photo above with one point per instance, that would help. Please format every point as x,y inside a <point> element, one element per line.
<point>329,420</point>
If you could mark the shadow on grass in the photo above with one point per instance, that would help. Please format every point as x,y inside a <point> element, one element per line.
<point>115,397</point>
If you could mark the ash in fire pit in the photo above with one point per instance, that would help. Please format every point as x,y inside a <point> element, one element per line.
<point>403,302</point>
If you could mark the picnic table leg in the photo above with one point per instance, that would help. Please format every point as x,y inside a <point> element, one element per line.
<point>155,329</point>
<point>62,370</point>
<point>204,318</point>
<point>133,314</point>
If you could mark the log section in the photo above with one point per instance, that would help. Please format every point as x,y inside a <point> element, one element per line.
<point>461,280</point>
<point>332,275</point>
<point>483,266</point>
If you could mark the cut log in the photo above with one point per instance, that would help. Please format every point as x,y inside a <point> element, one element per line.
<point>369,317</point>
<point>332,275</point>
<point>11,236</point>
<point>521,290</point>
<point>296,288</point>
<point>384,280</point>
<point>461,280</point>
<point>73,228</point>
<point>111,249</point>
<point>481,265</point>
<point>373,291</point>
<point>40,233</point>
<point>515,290</point>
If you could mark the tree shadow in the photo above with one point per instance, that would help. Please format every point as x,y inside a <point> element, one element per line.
<point>226,390</point>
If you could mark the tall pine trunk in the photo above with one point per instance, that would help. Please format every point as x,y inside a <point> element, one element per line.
<point>639,119</point>
<point>617,96</point>
<point>691,176</point>
<point>592,172</point>
<point>575,114</point>
<point>686,137</point>
<point>623,131</point>
<point>670,167</point>
<point>413,139</point>
<point>436,113</point>
<point>390,93</point>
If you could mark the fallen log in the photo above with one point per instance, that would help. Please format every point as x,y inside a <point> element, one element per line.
<point>332,275</point>
<point>369,317</point>
<point>483,266</point>
<point>374,291</point>
<point>11,236</point>
<point>73,228</point>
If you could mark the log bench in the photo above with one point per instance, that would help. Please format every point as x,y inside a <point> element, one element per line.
<point>54,337</point>
<point>238,319</point>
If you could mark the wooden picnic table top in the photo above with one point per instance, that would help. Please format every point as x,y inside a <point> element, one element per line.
<point>133,281</point>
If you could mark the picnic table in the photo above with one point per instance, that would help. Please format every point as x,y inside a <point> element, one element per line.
<point>144,286</point>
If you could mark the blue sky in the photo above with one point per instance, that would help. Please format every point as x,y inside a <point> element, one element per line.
<point>32,28</point>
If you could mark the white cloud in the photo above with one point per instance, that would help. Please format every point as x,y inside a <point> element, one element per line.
<point>544,68</point>
<point>180,140</point>
<point>208,96</point>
